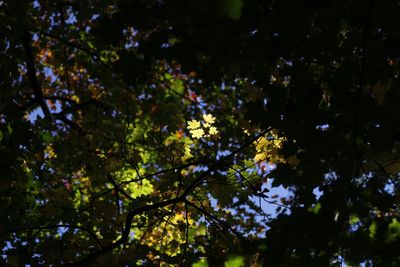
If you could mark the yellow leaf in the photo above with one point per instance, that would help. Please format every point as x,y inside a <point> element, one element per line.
<point>198,133</point>
<point>278,143</point>
<point>213,130</point>
<point>188,153</point>
<point>261,143</point>
<point>49,152</point>
<point>75,98</point>
<point>193,124</point>
<point>260,157</point>
<point>208,118</point>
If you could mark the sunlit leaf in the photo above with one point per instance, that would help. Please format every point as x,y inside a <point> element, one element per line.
<point>236,261</point>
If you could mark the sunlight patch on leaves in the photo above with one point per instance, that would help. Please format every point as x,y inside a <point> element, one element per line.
<point>134,189</point>
<point>267,148</point>
<point>236,261</point>
<point>170,235</point>
<point>206,131</point>
<point>49,152</point>
<point>200,264</point>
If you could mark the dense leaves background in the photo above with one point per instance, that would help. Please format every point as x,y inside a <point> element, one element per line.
<point>98,166</point>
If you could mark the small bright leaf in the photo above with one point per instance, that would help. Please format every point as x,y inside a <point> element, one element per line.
<point>372,230</point>
<point>213,130</point>
<point>178,87</point>
<point>198,133</point>
<point>237,261</point>
<point>193,124</point>
<point>208,118</point>
<point>200,264</point>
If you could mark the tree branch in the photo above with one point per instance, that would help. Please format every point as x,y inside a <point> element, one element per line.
<point>162,204</point>
<point>41,228</point>
<point>31,72</point>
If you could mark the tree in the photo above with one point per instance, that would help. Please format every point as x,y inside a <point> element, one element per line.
<point>155,132</point>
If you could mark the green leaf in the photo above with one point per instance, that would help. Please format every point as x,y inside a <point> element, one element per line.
<point>178,87</point>
<point>47,138</point>
<point>316,208</point>
<point>10,129</point>
<point>372,230</point>
<point>233,8</point>
<point>394,230</point>
<point>353,219</point>
<point>202,229</point>
<point>236,261</point>
<point>200,264</point>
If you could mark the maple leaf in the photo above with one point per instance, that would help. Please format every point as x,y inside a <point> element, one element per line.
<point>260,157</point>
<point>187,154</point>
<point>261,144</point>
<point>198,133</point>
<point>213,130</point>
<point>208,118</point>
<point>193,124</point>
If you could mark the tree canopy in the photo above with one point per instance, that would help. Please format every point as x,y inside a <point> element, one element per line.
<point>199,133</point>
